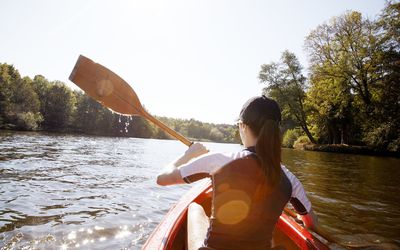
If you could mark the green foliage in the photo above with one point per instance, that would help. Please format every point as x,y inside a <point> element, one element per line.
<point>59,106</point>
<point>384,137</point>
<point>331,110</point>
<point>89,115</point>
<point>19,103</point>
<point>203,131</point>
<point>41,87</point>
<point>389,25</point>
<point>290,136</point>
<point>301,141</point>
<point>8,76</point>
<point>28,121</point>
<point>286,84</point>
<point>387,93</point>
<point>352,94</point>
<point>348,50</point>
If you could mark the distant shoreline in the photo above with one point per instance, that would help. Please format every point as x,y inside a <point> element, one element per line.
<point>347,149</point>
<point>75,133</point>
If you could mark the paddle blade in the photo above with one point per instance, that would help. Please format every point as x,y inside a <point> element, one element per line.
<point>105,87</point>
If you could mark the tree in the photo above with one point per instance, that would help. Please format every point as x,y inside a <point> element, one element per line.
<point>59,107</point>
<point>347,48</point>
<point>354,74</point>
<point>286,83</point>
<point>8,75</point>
<point>389,26</point>
<point>41,86</point>
<point>19,104</point>
<point>140,127</point>
<point>25,105</point>
<point>92,118</point>
<point>386,133</point>
<point>331,110</point>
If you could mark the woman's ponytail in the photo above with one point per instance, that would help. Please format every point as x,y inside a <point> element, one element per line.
<point>263,116</point>
<point>268,150</point>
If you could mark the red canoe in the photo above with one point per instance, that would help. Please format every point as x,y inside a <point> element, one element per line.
<point>171,232</point>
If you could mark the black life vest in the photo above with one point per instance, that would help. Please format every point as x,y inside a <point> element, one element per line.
<point>245,210</point>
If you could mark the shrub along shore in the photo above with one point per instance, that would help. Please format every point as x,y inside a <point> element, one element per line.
<point>346,149</point>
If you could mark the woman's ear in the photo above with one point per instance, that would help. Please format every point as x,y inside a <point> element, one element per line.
<point>245,128</point>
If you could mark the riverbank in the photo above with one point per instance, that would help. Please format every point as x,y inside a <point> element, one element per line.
<point>347,149</point>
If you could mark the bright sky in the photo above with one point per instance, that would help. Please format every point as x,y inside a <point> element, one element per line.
<point>184,58</point>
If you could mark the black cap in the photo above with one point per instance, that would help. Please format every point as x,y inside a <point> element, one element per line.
<point>260,107</point>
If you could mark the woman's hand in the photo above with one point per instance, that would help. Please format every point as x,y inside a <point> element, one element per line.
<point>195,150</point>
<point>170,174</point>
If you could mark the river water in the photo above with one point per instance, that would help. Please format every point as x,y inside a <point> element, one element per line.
<point>80,192</point>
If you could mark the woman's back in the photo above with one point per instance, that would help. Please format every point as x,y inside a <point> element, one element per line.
<point>245,208</point>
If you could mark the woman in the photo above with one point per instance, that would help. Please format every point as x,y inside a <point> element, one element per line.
<point>251,187</point>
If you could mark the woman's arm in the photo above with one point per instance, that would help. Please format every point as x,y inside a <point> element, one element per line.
<point>171,174</point>
<point>300,202</point>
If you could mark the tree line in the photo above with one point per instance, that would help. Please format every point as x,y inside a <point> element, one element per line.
<point>351,94</point>
<point>40,104</point>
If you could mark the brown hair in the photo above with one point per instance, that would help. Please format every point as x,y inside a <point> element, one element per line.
<point>263,115</point>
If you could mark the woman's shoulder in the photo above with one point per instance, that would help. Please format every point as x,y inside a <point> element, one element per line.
<point>228,156</point>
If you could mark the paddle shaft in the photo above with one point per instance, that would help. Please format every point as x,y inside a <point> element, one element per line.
<point>316,230</point>
<point>166,128</point>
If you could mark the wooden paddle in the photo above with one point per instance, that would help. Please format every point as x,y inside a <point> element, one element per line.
<point>113,92</point>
